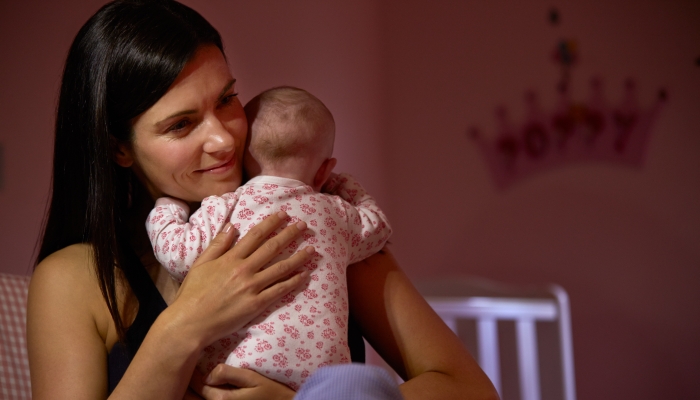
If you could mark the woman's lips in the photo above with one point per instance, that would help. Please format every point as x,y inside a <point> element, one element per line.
<point>220,168</point>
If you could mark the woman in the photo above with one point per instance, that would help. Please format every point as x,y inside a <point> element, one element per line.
<point>148,107</point>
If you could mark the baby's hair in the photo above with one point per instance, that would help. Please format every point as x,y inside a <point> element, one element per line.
<point>288,122</point>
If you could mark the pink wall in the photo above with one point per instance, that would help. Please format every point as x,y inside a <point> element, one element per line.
<point>331,51</point>
<point>623,242</point>
<point>34,41</point>
<point>404,80</point>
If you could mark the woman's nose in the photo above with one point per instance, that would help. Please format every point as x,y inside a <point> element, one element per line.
<point>218,138</point>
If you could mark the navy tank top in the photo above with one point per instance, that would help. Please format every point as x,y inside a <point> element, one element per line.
<point>151,304</point>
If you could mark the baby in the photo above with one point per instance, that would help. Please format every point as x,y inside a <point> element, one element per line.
<point>290,143</point>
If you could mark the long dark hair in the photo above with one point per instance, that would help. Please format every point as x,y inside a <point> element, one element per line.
<point>122,61</point>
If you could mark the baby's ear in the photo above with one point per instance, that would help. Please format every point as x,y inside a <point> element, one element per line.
<point>122,152</point>
<point>324,172</point>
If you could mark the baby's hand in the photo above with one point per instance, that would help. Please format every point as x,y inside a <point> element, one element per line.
<point>166,201</point>
<point>331,184</point>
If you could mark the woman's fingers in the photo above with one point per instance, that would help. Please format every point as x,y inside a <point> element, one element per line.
<point>274,246</point>
<point>218,246</point>
<point>257,235</point>
<point>227,382</point>
<point>197,382</point>
<point>282,269</point>
<point>224,374</point>
<point>236,275</point>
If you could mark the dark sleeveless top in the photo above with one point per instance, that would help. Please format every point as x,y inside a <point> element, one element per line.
<point>151,304</point>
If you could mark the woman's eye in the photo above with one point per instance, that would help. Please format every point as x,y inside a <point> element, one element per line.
<point>228,99</point>
<point>179,126</point>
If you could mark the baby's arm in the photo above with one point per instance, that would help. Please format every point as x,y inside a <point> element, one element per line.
<point>176,242</point>
<point>367,225</point>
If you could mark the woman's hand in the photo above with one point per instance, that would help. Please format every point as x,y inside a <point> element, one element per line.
<point>223,291</point>
<point>227,382</point>
<point>228,287</point>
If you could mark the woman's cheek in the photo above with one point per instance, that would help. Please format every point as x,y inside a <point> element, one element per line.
<point>166,165</point>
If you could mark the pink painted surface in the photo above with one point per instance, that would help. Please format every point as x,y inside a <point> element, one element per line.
<point>405,79</point>
<point>623,242</point>
<point>572,132</point>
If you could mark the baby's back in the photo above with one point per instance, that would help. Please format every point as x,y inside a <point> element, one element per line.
<point>306,329</point>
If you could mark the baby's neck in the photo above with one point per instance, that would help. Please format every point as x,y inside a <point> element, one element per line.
<point>289,173</point>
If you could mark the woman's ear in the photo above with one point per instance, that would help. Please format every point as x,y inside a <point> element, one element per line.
<point>122,153</point>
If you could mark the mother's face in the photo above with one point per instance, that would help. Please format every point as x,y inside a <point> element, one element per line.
<point>190,143</point>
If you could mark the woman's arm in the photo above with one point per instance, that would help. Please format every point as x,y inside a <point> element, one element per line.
<point>401,326</point>
<point>68,325</point>
<point>406,332</point>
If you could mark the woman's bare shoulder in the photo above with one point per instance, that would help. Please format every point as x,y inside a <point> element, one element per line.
<point>67,257</point>
<point>65,268</point>
<point>74,252</point>
<point>65,284</point>
<point>68,324</point>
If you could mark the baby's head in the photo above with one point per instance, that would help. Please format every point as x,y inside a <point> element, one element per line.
<point>290,134</point>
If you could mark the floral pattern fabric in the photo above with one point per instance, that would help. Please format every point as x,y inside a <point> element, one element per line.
<point>307,328</point>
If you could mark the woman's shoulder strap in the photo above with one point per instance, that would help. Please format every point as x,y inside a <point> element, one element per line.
<point>151,302</point>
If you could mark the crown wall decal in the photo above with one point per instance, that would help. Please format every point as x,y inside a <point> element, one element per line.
<point>572,132</point>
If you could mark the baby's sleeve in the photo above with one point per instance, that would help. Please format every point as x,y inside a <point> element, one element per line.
<point>176,242</point>
<point>368,226</point>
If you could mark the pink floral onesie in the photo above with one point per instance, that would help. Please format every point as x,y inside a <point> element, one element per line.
<point>307,328</point>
